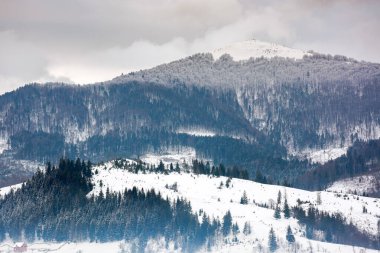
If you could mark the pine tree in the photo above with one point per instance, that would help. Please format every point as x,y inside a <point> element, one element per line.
<point>177,169</point>
<point>277,212</point>
<point>228,182</point>
<point>286,209</point>
<point>227,223</point>
<point>279,198</point>
<point>244,199</point>
<point>161,167</point>
<point>247,228</point>
<point>235,229</point>
<point>289,235</point>
<point>101,195</point>
<point>273,246</point>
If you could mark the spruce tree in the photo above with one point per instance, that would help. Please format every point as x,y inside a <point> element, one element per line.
<point>247,228</point>
<point>277,212</point>
<point>244,199</point>
<point>161,167</point>
<point>273,246</point>
<point>177,169</point>
<point>235,229</point>
<point>279,198</point>
<point>289,235</point>
<point>286,209</point>
<point>227,223</point>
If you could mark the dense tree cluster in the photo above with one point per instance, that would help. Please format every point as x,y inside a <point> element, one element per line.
<point>308,103</point>
<point>199,167</point>
<point>335,228</point>
<point>361,158</point>
<point>54,206</point>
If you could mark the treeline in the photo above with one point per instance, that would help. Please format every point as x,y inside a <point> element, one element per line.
<point>221,149</point>
<point>145,118</point>
<point>199,167</point>
<point>334,227</point>
<point>54,206</point>
<point>362,157</point>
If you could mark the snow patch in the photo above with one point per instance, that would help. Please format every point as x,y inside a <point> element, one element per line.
<point>359,185</point>
<point>322,156</point>
<point>3,145</point>
<point>196,132</point>
<point>160,246</point>
<point>212,195</point>
<point>7,189</point>
<point>182,155</point>
<point>255,49</point>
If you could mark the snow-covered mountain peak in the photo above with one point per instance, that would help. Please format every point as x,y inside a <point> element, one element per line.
<point>256,49</point>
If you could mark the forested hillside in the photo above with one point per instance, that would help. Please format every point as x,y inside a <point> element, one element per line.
<point>316,102</point>
<point>361,159</point>
<point>261,114</point>
<point>53,206</point>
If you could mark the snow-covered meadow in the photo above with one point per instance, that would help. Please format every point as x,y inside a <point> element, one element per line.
<point>217,195</point>
<point>211,195</point>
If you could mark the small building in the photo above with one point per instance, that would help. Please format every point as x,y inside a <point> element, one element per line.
<point>20,247</point>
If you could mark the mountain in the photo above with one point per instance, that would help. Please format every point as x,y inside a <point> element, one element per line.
<point>315,102</point>
<point>254,109</point>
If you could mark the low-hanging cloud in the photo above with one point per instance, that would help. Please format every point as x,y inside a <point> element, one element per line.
<point>94,40</point>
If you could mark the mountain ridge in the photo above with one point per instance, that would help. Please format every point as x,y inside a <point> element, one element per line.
<point>244,50</point>
<point>276,107</point>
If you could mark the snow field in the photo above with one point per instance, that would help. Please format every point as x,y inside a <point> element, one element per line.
<point>211,195</point>
<point>255,49</point>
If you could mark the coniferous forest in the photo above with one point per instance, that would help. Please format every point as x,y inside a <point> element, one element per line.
<point>335,228</point>
<point>54,206</point>
<point>363,157</point>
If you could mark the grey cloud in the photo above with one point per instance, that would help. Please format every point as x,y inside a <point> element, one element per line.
<point>95,40</point>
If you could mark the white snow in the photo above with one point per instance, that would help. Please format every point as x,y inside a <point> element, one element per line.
<point>323,155</point>
<point>181,155</point>
<point>159,246</point>
<point>83,247</point>
<point>3,145</point>
<point>196,132</point>
<point>255,49</point>
<point>211,195</point>
<point>7,189</point>
<point>359,184</point>
<point>206,193</point>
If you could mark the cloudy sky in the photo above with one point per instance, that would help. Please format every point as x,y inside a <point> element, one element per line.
<point>85,41</point>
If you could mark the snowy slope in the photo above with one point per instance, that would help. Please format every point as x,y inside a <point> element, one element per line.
<point>322,155</point>
<point>159,246</point>
<point>7,189</point>
<point>255,49</point>
<point>211,195</point>
<point>206,193</point>
<point>196,132</point>
<point>180,156</point>
<point>360,184</point>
